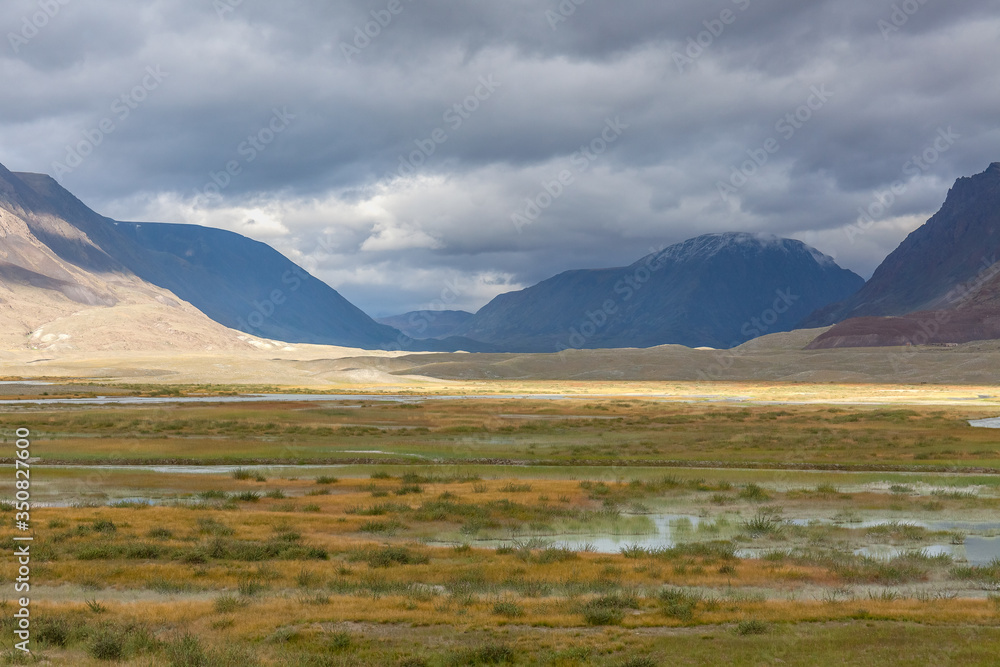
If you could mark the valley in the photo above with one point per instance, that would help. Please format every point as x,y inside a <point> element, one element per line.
<point>528,522</point>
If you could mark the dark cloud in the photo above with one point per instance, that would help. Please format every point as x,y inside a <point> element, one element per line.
<point>323,189</point>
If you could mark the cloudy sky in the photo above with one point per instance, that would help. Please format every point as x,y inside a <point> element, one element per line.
<point>401,149</point>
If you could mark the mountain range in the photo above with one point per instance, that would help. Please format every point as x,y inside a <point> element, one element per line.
<point>715,290</point>
<point>428,324</point>
<point>73,279</point>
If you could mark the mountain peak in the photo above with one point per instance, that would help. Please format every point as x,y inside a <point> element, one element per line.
<point>741,243</point>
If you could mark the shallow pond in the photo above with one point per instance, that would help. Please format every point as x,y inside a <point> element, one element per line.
<point>673,529</point>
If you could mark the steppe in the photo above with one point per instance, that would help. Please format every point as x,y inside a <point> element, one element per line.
<point>637,507</point>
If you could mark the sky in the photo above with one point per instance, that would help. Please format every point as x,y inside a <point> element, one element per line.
<point>427,154</point>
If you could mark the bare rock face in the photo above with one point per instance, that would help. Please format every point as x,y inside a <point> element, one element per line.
<point>955,248</point>
<point>940,286</point>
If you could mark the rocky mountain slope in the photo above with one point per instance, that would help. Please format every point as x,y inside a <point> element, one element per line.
<point>939,262</point>
<point>941,285</point>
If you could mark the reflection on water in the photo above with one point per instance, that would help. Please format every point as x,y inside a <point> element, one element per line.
<point>975,551</point>
<point>672,529</point>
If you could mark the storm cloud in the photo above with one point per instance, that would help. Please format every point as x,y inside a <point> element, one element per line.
<point>418,152</point>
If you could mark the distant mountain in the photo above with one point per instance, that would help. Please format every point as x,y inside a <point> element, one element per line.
<point>235,281</point>
<point>423,324</point>
<point>941,285</point>
<point>716,290</point>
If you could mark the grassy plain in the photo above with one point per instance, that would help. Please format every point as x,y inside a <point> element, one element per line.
<point>434,532</point>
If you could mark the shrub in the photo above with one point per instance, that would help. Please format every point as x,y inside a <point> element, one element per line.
<point>339,641</point>
<point>488,654</point>
<point>186,651</point>
<point>754,493</point>
<point>213,527</point>
<point>326,479</point>
<point>678,603</point>
<point>639,661</point>
<point>751,627</point>
<point>602,616</point>
<point>227,603</point>
<point>52,631</point>
<point>104,526</point>
<point>107,645</point>
<point>760,524</point>
<point>242,474</point>
<point>508,609</point>
<point>142,551</point>
<point>380,527</point>
<point>250,585</point>
<point>96,607</point>
<point>389,556</point>
<point>511,487</point>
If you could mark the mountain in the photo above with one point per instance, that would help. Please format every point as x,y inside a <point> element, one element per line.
<point>249,286</point>
<point>60,289</point>
<point>956,245</point>
<point>423,324</point>
<point>716,290</point>
<point>941,285</point>
<point>235,281</point>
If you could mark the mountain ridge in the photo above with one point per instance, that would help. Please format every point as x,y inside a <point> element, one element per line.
<point>941,285</point>
<point>660,299</point>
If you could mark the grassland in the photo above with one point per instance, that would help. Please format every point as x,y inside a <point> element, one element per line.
<point>623,432</point>
<point>436,532</point>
